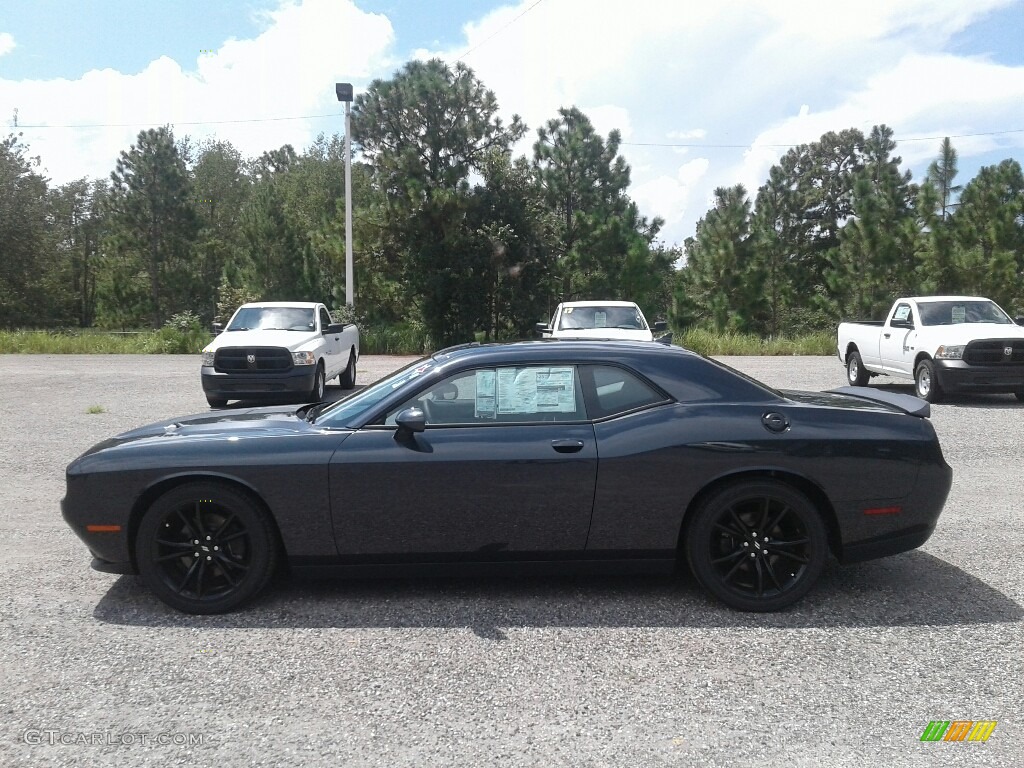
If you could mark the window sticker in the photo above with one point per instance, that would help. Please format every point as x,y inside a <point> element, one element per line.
<point>902,312</point>
<point>485,395</point>
<point>536,390</point>
<point>959,314</point>
<point>600,319</point>
<point>568,310</point>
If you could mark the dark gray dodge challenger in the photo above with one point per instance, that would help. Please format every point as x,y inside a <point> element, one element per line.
<point>545,455</point>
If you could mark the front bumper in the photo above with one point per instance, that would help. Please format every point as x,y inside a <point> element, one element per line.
<point>958,376</point>
<point>245,386</point>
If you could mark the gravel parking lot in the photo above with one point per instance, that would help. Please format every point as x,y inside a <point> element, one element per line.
<point>557,671</point>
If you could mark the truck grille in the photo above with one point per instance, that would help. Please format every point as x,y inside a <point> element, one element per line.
<point>263,359</point>
<point>993,352</point>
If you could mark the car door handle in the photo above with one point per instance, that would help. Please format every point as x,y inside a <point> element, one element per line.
<point>887,335</point>
<point>775,422</point>
<point>567,446</point>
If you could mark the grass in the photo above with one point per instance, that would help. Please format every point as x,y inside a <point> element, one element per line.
<point>95,409</point>
<point>379,340</point>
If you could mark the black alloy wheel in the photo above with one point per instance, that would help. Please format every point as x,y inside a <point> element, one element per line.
<point>205,548</point>
<point>757,545</point>
<point>855,371</point>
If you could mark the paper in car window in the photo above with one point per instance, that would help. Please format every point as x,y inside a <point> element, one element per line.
<point>536,390</point>
<point>959,314</point>
<point>600,319</point>
<point>485,395</point>
<point>902,313</point>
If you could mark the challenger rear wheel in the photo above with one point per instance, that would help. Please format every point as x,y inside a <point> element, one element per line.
<point>205,548</point>
<point>757,545</point>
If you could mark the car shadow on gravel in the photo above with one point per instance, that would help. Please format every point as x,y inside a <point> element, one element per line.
<point>912,589</point>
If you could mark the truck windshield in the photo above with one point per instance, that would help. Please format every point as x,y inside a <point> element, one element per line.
<point>273,319</point>
<point>576,318</point>
<point>957,312</point>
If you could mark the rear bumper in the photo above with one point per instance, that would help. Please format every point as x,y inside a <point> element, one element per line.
<point>958,376</point>
<point>245,386</point>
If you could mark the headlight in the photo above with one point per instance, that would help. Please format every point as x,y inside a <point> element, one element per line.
<point>950,351</point>
<point>303,358</point>
<point>208,356</point>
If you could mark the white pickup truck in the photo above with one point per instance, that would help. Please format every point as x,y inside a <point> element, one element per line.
<point>943,343</point>
<point>280,350</point>
<point>599,320</point>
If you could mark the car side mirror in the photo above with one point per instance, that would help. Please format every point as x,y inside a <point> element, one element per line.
<point>1019,321</point>
<point>661,325</point>
<point>410,421</point>
<point>908,324</point>
<point>542,328</point>
<point>335,328</point>
<point>217,328</point>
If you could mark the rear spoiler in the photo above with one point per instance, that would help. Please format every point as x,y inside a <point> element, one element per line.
<point>914,406</point>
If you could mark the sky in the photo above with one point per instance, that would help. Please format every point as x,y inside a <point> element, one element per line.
<point>705,93</point>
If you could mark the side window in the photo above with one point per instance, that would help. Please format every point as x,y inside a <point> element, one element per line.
<point>325,319</point>
<point>902,313</point>
<point>510,395</point>
<point>616,390</point>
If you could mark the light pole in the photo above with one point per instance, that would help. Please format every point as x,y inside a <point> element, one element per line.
<point>344,92</point>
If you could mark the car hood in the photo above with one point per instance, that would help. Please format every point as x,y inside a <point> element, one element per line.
<point>249,422</point>
<point>962,333</point>
<point>604,333</point>
<point>291,340</point>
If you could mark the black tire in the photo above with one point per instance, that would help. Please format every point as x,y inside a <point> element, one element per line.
<point>735,551</point>
<point>316,394</point>
<point>926,383</point>
<point>347,379</point>
<point>856,373</point>
<point>216,402</point>
<point>234,559</point>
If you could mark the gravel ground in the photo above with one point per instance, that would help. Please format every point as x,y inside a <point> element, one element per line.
<point>547,672</point>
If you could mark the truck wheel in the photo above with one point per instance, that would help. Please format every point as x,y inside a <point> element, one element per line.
<point>216,402</point>
<point>319,384</point>
<point>348,376</point>
<point>855,370</point>
<point>926,383</point>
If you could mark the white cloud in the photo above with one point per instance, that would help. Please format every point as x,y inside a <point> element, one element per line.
<point>733,79</point>
<point>7,43</point>
<point>287,70</point>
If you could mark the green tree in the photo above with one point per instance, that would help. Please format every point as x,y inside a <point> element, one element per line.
<point>875,258</point>
<point>154,224</point>
<point>722,280</point>
<point>990,231</point>
<point>26,247</point>
<point>78,223</point>
<point>422,133</point>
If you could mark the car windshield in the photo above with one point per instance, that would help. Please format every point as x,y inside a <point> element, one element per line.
<point>347,412</point>
<point>273,319</point>
<point>957,312</point>
<point>589,318</point>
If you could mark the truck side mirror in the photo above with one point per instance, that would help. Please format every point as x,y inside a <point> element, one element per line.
<point>542,328</point>
<point>661,325</point>
<point>1019,321</point>
<point>334,328</point>
<point>217,328</point>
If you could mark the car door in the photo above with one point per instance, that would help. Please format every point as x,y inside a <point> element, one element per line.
<point>332,345</point>
<point>505,469</point>
<point>893,343</point>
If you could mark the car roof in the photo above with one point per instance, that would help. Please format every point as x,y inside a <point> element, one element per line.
<point>296,304</point>
<point>927,299</point>
<point>553,349</point>
<point>598,304</point>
